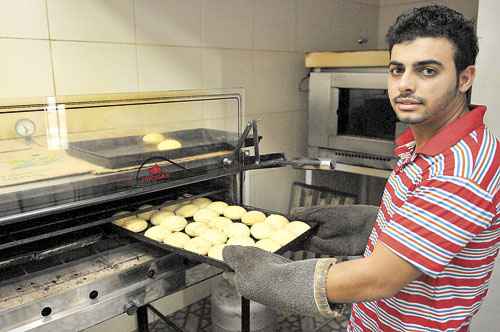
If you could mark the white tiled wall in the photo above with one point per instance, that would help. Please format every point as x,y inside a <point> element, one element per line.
<point>52,47</point>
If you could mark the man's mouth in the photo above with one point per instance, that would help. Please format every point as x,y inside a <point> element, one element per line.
<point>407,104</point>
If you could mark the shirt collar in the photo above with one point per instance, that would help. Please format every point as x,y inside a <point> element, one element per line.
<point>446,137</point>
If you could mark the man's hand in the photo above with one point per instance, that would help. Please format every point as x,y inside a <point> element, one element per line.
<point>293,287</point>
<point>343,229</point>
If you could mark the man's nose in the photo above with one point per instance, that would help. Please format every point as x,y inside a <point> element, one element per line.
<point>407,83</point>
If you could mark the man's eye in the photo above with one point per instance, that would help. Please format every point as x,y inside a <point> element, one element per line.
<point>428,72</point>
<point>396,71</point>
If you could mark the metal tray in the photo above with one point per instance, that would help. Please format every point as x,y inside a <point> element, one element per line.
<point>293,245</point>
<point>130,150</point>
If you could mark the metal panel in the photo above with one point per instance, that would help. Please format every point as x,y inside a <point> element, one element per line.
<point>359,80</point>
<point>320,109</point>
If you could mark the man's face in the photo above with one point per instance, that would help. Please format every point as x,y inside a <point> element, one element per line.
<point>422,81</point>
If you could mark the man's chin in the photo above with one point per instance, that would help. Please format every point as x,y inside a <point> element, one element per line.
<point>410,119</point>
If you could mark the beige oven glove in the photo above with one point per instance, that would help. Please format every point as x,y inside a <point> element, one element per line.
<point>343,230</point>
<point>287,286</point>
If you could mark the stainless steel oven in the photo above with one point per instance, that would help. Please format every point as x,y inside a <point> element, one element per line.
<point>350,116</point>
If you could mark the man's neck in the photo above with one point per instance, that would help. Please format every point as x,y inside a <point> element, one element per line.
<point>425,131</point>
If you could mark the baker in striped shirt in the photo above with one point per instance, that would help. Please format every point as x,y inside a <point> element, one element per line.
<point>432,250</point>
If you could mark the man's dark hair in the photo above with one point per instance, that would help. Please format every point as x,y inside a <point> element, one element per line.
<point>437,21</point>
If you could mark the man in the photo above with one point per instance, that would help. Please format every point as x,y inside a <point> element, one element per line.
<point>432,250</point>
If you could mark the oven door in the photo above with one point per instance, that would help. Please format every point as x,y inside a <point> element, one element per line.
<point>351,111</point>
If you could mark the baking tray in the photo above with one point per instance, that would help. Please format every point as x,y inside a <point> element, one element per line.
<point>295,244</point>
<point>128,151</point>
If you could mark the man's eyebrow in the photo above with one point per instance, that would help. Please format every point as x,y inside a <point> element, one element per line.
<point>418,64</point>
<point>395,63</point>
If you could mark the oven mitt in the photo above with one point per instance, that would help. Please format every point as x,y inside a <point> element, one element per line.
<point>291,287</point>
<point>343,229</point>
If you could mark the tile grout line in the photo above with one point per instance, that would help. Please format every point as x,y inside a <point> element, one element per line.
<point>136,46</point>
<point>51,53</point>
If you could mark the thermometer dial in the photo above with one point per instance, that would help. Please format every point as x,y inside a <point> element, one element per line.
<point>25,127</point>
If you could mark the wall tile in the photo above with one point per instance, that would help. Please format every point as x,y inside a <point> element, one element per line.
<point>23,19</point>
<point>314,25</point>
<point>82,68</point>
<point>169,68</point>
<point>25,68</point>
<point>172,22</point>
<point>227,23</point>
<point>274,25</point>
<point>92,20</point>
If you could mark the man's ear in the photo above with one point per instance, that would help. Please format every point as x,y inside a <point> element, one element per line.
<point>466,78</point>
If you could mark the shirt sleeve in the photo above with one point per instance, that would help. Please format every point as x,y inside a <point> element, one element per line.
<point>437,221</point>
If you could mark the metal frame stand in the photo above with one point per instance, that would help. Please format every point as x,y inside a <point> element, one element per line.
<point>143,322</point>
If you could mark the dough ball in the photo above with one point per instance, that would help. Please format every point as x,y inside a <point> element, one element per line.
<point>297,227</point>
<point>196,228</point>
<point>158,217</point>
<point>204,215</point>
<point>253,217</point>
<point>218,206</point>
<point>171,208</point>
<point>219,223</point>
<point>153,138</point>
<point>268,245</point>
<point>237,229</point>
<point>169,144</point>
<point>241,241</point>
<point>136,225</point>
<point>282,236</point>
<point>216,251</point>
<point>174,223</point>
<point>157,233</point>
<point>261,230</point>
<point>177,239</point>
<point>202,202</point>
<point>276,221</point>
<point>214,236</point>
<point>122,221</point>
<point>198,245</point>
<point>234,212</point>
<point>146,215</point>
<point>187,211</point>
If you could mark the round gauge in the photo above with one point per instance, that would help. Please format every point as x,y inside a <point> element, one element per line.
<point>25,127</point>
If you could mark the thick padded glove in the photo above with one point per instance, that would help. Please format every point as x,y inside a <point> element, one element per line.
<point>343,229</point>
<point>288,286</point>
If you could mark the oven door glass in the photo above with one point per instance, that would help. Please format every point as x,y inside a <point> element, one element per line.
<point>365,113</point>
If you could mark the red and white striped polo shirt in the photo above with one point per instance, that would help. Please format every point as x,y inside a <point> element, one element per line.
<point>439,212</point>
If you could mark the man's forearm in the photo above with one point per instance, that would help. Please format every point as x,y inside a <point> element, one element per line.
<point>379,276</point>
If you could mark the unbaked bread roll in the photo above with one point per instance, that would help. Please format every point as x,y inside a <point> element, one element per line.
<point>202,202</point>
<point>253,217</point>
<point>204,215</point>
<point>241,241</point>
<point>153,138</point>
<point>187,211</point>
<point>198,245</point>
<point>237,229</point>
<point>177,239</point>
<point>219,223</point>
<point>268,245</point>
<point>297,227</point>
<point>283,236</point>
<point>146,215</point>
<point>169,144</point>
<point>174,223</point>
<point>276,221</point>
<point>216,251</point>
<point>120,222</point>
<point>157,233</point>
<point>214,236</point>
<point>158,217</point>
<point>196,228</point>
<point>218,206</point>
<point>261,230</point>
<point>171,208</point>
<point>234,212</point>
<point>136,225</point>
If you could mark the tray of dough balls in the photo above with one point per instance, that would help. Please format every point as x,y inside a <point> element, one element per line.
<point>127,151</point>
<point>201,228</point>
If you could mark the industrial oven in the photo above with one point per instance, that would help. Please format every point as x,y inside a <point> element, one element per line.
<point>69,164</point>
